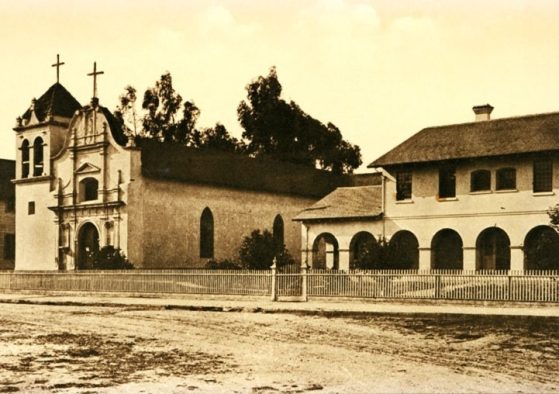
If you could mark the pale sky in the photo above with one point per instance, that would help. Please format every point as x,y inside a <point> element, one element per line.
<point>379,70</point>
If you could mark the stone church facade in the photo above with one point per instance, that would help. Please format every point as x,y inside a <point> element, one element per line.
<point>80,184</point>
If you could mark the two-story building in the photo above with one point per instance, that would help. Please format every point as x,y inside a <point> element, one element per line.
<point>470,196</point>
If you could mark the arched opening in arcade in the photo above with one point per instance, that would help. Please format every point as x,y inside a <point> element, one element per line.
<point>541,249</point>
<point>493,250</point>
<point>364,251</point>
<point>446,250</point>
<point>325,252</point>
<point>404,251</point>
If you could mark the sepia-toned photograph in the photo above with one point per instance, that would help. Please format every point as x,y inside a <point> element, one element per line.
<point>279,196</point>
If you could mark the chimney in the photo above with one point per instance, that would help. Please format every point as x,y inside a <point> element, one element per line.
<point>483,112</point>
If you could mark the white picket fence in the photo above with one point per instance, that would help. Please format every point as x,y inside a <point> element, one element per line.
<point>535,286</point>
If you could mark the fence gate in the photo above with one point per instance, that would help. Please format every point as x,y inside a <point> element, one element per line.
<point>289,283</point>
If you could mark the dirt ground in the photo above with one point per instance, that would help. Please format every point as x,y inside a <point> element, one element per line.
<point>123,349</point>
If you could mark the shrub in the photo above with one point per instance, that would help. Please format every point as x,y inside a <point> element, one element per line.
<point>110,258</point>
<point>223,265</point>
<point>258,250</point>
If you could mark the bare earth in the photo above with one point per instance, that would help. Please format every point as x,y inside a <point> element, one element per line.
<point>119,349</point>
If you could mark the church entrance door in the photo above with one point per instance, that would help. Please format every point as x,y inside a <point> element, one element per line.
<point>88,246</point>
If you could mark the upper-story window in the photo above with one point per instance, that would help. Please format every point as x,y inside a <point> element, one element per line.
<point>480,180</point>
<point>38,157</point>
<point>447,182</point>
<point>506,179</point>
<point>403,185</point>
<point>89,188</point>
<point>543,176</point>
<point>25,159</point>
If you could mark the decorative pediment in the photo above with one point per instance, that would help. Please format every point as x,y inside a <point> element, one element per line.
<point>87,168</point>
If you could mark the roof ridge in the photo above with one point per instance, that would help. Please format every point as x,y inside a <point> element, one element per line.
<point>491,120</point>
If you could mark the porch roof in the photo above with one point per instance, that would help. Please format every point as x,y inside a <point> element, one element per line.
<point>346,203</point>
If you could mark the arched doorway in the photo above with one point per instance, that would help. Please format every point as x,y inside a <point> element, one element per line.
<point>541,249</point>
<point>325,252</point>
<point>404,251</point>
<point>446,250</point>
<point>363,251</point>
<point>88,246</point>
<point>493,250</point>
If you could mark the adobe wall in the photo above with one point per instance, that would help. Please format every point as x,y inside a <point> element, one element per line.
<point>7,226</point>
<point>170,218</point>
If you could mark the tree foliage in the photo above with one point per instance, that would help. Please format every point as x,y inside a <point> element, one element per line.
<point>272,126</point>
<point>218,138</point>
<point>258,250</point>
<point>284,131</point>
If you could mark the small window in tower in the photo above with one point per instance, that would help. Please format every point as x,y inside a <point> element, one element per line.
<point>25,159</point>
<point>89,189</point>
<point>38,157</point>
<point>31,208</point>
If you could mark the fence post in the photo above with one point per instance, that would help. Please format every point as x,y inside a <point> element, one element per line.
<point>274,281</point>
<point>438,286</point>
<point>304,296</point>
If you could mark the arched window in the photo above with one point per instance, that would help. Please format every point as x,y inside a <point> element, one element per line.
<point>493,250</point>
<point>446,250</point>
<point>506,179</point>
<point>404,251</point>
<point>541,249</point>
<point>38,157</point>
<point>480,180</point>
<point>89,189</point>
<point>25,159</point>
<point>277,231</point>
<point>207,234</point>
<point>325,252</point>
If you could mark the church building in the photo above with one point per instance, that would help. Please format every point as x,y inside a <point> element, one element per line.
<point>81,184</point>
<point>472,196</point>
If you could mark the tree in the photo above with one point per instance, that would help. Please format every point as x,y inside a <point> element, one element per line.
<point>162,103</point>
<point>126,112</point>
<point>284,131</point>
<point>258,250</point>
<point>218,138</point>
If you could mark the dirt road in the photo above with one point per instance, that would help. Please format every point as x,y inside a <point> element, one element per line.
<point>105,349</point>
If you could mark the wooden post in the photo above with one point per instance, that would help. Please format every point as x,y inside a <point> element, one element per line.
<point>274,281</point>
<point>304,296</point>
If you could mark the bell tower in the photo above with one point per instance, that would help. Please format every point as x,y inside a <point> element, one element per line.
<point>40,134</point>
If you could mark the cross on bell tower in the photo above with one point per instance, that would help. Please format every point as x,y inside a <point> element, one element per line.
<point>94,75</point>
<point>57,65</point>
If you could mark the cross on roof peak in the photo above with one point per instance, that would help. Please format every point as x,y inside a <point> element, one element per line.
<point>94,75</point>
<point>57,65</point>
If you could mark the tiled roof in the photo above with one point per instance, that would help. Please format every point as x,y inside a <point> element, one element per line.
<point>57,101</point>
<point>177,162</point>
<point>507,136</point>
<point>346,203</point>
<point>7,173</point>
